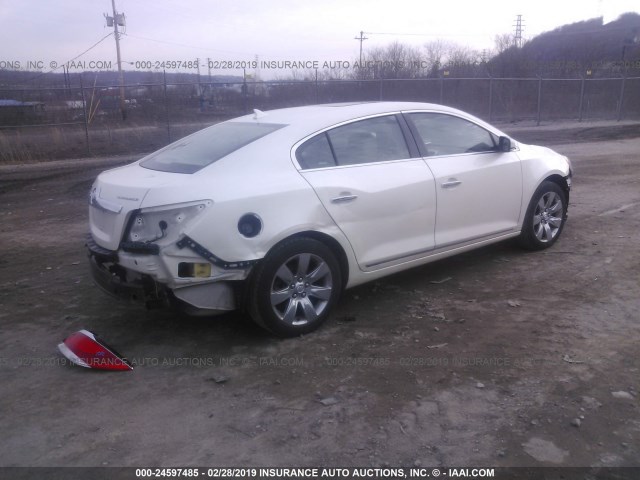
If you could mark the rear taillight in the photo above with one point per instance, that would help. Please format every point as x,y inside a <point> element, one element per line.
<point>85,349</point>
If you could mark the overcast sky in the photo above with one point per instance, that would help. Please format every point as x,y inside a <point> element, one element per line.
<point>238,30</point>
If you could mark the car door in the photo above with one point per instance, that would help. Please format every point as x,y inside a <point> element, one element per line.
<point>479,188</point>
<point>380,195</point>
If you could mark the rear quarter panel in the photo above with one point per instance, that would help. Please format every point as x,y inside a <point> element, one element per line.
<point>258,179</point>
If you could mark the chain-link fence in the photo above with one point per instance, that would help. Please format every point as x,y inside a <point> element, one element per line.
<point>69,122</point>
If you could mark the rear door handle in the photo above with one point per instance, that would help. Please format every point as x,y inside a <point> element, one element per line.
<point>451,183</point>
<point>344,198</point>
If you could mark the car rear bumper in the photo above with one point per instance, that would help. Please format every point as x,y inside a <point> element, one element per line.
<point>119,282</point>
<point>113,284</point>
<point>198,299</point>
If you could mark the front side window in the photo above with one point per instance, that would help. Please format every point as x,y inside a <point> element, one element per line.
<point>192,153</point>
<point>376,139</point>
<point>443,134</point>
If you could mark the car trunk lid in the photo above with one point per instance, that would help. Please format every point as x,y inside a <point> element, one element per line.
<point>114,195</point>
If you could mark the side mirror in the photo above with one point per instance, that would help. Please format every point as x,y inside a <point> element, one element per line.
<point>504,144</point>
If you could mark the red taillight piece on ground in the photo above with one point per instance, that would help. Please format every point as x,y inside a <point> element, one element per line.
<point>85,349</point>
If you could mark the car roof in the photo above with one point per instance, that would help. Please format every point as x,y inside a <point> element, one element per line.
<point>316,117</point>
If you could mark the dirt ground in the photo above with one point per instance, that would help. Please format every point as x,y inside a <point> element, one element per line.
<point>498,357</point>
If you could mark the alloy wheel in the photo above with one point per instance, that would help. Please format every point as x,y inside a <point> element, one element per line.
<point>301,289</point>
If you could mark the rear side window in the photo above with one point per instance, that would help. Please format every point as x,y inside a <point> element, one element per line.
<point>376,139</point>
<point>373,140</point>
<point>316,153</point>
<point>192,153</point>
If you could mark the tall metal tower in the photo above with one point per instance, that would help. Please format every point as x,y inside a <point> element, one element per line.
<point>519,26</point>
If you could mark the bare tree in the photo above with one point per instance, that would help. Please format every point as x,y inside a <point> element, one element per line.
<point>395,60</point>
<point>462,60</point>
<point>436,52</point>
<point>504,42</point>
<point>508,56</point>
<point>341,72</point>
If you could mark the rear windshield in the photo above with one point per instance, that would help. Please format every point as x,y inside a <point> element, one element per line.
<point>196,151</point>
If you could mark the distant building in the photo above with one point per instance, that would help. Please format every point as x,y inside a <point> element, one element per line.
<point>14,112</point>
<point>74,104</point>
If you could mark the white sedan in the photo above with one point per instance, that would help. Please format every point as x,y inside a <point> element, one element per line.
<point>277,212</point>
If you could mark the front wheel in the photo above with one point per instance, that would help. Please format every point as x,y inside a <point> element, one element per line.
<point>545,217</point>
<point>293,289</point>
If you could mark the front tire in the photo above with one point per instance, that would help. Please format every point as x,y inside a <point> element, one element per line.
<point>294,288</point>
<point>545,218</point>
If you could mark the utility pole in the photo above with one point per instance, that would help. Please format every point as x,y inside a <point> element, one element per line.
<point>199,82</point>
<point>118,19</point>
<point>361,38</point>
<point>519,26</point>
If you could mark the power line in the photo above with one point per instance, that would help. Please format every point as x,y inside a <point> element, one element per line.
<point>74,58</point>
<point>90,48</point>
<point>167,42</point>
<point>184,45</point>
<point>430,34</point>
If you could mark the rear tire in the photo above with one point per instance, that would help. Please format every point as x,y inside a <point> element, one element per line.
<point>293,289</point>
<point>545,218</point>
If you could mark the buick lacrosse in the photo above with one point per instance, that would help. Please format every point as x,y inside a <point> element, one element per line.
<point>278,212</point>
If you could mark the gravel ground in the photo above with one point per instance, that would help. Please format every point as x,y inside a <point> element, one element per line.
<point>497,357</point>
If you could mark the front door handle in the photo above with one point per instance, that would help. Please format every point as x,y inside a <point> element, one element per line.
<point>452,182</point>
<point>343,198</point>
